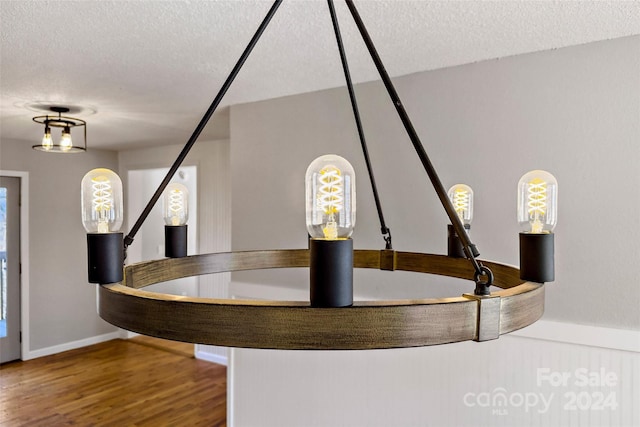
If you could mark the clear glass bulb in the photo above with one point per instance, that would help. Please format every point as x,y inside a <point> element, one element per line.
<point>176,204</point>
<point>65,141</point>
<point>461,197</point>
<point>101,201</point>
<point>537,202</point>
<point>47,142</point>
<point>330,198</point>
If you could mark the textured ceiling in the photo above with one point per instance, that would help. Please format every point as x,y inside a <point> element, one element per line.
<point>143,72</point>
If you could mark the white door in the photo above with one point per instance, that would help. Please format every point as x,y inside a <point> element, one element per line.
<point>9,269</point>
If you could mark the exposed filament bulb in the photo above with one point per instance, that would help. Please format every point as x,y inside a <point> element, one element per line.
<point>537,203</point>
<point>176,206</point>
<point>47,142</point>
<point>101,201</point>
<point>330,198</point>
<point>461,202</point>
<point>102,197</point>
<point>461,197</point>
<point>65,141</point>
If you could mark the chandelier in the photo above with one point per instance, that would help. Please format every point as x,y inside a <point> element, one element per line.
<point>65,144</point>
<point>504,298</point>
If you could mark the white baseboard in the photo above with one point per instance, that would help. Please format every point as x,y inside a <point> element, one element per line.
<point>125,335</point>
<point>47,351</point>
<point>120,334</point>
<point>210,357</point>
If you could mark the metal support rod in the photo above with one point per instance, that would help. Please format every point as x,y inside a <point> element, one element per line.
<point>183,154</point>
<point>469,248</point>
<point>356,113</point>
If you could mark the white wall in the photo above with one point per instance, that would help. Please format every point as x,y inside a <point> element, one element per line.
<point>573,111</point>
<point>62,305</point>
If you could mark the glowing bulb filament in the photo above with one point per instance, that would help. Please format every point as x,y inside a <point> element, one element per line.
<point>102,202</point>
<point>47,142</point>
<point>176,206</point>
<point>330,198</point>
<point>461,202</point>
<point>65,141</point>
<point>537,204</point>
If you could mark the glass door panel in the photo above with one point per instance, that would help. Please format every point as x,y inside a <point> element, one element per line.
<point>10,346</point>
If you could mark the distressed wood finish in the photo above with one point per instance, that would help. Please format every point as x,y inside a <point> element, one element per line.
<point>296,325</point>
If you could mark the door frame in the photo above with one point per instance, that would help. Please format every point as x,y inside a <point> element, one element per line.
<point>24,258</point>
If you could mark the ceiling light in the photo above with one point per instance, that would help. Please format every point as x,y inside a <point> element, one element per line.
<point>65,144</point>
<point>504,299</point>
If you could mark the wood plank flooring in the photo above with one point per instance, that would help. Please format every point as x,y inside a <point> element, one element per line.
<point>138,382</point>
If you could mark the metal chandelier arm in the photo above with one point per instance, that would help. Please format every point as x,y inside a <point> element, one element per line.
<point>203,122</point>
<point>469,248</point>
<point>356,113</point>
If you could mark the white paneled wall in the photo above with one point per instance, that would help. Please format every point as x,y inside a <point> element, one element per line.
<point>216,232</point>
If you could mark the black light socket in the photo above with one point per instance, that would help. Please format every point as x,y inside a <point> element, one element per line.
<point>105,257</point>
<point>454,244</point>
<point>537,257</point>
<point>331,272</point>
<point>175,241</point>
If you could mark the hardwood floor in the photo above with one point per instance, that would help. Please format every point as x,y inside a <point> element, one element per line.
<point>138,382</point>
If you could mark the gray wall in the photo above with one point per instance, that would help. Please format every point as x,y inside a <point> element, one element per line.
<point>573,111</point>
<point>62,305</point>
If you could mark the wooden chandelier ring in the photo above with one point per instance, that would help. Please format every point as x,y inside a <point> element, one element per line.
<point>295,325</point>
